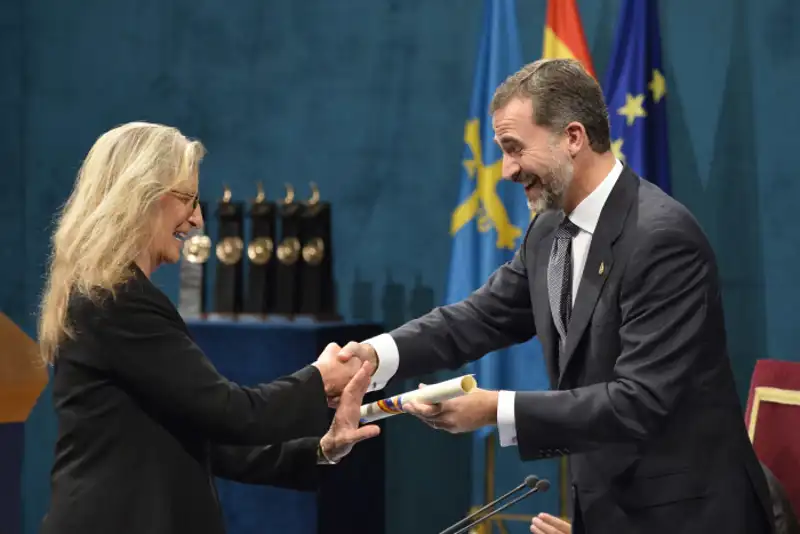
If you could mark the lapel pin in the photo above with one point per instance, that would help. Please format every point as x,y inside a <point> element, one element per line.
<point>602,269</point>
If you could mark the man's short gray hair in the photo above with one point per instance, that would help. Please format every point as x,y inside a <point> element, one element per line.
<point>561,92</point>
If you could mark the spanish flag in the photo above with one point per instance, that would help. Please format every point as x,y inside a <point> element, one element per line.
<point>564,39</point>
<point>563,34</point>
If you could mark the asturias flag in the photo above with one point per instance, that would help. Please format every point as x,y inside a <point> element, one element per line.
<point>635,91</point>
<point>487,227</point>
<point>492,214</point>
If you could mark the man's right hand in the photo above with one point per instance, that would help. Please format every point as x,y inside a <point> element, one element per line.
<point>363,351</point>
<point>336,372</point>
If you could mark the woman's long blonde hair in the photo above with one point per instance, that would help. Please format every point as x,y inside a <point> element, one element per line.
<point>108,219</point>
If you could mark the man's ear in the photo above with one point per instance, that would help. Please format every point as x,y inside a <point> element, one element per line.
<point>577,138</point>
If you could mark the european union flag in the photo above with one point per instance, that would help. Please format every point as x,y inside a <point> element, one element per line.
<point>487,227</point>
<point>635,91</point>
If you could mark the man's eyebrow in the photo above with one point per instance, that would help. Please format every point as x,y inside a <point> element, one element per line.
<point>507,140</point>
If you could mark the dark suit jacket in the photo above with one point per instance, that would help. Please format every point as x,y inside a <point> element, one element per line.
<point>785,518</point>
<point>145,422</point>
<point>646,406</point>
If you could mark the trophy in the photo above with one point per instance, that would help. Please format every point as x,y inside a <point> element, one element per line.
<point>260,296</point>
<point>228,287</point>
<point>317,289</point>
<point>193,272</point>
<point>288,255</point>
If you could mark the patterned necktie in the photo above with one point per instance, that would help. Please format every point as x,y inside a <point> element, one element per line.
<point>559,277</point>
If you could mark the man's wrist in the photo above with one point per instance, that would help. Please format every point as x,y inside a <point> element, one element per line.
<point>490,407</point>
<point>386,356</point>
<point>374,358</point>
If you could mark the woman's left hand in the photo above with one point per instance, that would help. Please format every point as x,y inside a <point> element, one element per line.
<point>344,431</point>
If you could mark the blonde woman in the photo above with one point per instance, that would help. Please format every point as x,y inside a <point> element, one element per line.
<point>145,421</point>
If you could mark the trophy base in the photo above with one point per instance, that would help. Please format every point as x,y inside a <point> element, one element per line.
<point>220,316</point>
<point>330,317</point>
<point>307,318</point>
<point>252,317</point>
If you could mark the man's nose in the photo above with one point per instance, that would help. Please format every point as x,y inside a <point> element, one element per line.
<point>510,168</point>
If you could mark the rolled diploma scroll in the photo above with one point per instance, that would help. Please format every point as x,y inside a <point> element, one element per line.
<point>431,394</point>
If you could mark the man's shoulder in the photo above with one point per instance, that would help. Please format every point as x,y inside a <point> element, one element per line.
<point>659,213</point>
<point>658,209</point>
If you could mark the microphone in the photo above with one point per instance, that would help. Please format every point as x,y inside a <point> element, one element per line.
<point>530,481</point>
<point>542,485</point>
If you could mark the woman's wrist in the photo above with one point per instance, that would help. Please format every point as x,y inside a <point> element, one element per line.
<point>324,453</point>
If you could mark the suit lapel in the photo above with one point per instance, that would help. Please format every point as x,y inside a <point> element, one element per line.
<point>592,283</point>
<point>599,261</point>
<point>545,327</point>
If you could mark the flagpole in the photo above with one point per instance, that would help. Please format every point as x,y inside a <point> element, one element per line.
<point>489,473</point>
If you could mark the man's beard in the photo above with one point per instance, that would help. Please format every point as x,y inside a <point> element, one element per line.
<point>554,185</point>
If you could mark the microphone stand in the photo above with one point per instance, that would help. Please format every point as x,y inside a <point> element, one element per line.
<point>485,507</point>
<point>525,495</point>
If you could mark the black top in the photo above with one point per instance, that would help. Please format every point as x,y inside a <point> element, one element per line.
<point>145,422</point>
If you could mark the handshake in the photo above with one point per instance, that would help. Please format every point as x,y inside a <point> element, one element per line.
<point>339,365</point>
<point>467,413</point>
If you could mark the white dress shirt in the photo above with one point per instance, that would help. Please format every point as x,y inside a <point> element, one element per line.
<point>585,217</point>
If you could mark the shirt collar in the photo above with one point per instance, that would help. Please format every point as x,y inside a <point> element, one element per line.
<point>587,213</point>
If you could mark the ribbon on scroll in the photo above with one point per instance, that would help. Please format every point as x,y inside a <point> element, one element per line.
<point>430,394</point>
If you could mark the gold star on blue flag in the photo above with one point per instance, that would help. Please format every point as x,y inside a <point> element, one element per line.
<point>636,93</point>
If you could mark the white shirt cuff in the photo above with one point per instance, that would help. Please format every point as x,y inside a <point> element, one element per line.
<point>388,360</point>
<point>506,426</point>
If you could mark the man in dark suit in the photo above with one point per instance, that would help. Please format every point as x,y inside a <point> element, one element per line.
<point>619,283</point>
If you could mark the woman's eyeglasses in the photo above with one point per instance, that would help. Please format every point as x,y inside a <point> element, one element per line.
<point>186,197</point>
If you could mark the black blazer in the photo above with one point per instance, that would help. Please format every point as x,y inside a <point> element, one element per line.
<point>145,422</point>
<point>646,407</point>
